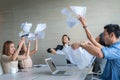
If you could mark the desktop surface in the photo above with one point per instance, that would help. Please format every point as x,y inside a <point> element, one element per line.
<point>43,73</point>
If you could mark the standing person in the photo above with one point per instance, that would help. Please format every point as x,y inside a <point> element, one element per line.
<point>10,55</point>
<point>111,53</point>
<point>65,41</point>
<point>27,63</point>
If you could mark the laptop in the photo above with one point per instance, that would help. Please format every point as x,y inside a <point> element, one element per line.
<point>59,59</point>
<point>53,68</point>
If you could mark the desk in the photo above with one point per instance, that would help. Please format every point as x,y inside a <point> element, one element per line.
<point>43,73</point>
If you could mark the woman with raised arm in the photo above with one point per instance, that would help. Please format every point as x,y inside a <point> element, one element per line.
<point>27,63</point>
<point>10,55</point>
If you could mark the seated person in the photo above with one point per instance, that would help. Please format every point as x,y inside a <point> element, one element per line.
<point>73,56</point>
<point>65,40</point>
<point>10,55</point>
<point>27,63</point>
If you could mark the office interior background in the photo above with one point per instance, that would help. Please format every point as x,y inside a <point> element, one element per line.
<point>15,12</point>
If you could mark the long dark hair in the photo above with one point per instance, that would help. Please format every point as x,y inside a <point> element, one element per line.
<point>6,47</point>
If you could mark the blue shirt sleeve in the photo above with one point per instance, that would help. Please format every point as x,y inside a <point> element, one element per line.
<point>111,52</point>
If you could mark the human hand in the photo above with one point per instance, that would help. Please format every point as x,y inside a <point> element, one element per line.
<point>23,39</point>
<point>82,20</point>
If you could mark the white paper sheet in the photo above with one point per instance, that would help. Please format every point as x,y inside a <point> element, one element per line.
<point>66,12</point>
<point>39,28</point>
<point>71,22</point>
<point>80,57</point>
<point>79,10</point>
<point>26,27</point>
<point>38,33</point>
<point>31,36</point>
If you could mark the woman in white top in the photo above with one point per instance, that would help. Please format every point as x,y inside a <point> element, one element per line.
<point>10,56</point>
<point>27,63</point>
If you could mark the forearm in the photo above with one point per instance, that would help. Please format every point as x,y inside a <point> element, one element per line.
<point>15,55</point>
<point>89,35</point>
<point>36,44</point>
<point>96,51</point>
<point>91,38</point>
<point>35,48</point>
<point>28,49</point>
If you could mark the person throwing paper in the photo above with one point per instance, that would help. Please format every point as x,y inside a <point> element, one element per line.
<point>111,53</point>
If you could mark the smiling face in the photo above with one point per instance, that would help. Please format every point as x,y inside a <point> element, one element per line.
<point>11,49</point>
<point>65,39</point>
<point>8,48</point>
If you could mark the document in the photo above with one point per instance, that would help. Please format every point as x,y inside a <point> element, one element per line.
<point>39,28</point>
<point>66,12</point>
<point>71,22</point>
<point>38,33</point>
<point>26,27</point>
<point>78,10</point>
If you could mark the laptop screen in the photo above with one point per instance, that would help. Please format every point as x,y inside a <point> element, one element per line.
<point>59,59</point>
<point>50,64</point>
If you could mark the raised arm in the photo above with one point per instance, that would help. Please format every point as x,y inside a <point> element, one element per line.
<point>35,47</point>
<point>92,49</point>
<point>28,49</point>
<point>15,55</point>
<point>89,35</point>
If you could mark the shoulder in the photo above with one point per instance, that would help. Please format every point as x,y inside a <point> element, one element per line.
<point>60,47</point>
<point>5,58</point>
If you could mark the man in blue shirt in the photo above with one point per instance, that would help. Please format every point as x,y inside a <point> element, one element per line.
<point>111,53</point>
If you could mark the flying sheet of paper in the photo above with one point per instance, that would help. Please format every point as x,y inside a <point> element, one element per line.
<point>40,35</point>
<point>71,22</point>
<point>39,28</point>
<point>79,10</point>
<point>66,12</point>
<point>31,36</point>
<point>39,31</point>
<point>26,27</point>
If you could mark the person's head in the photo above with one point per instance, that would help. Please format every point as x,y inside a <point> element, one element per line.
<point>65,39</point>
<point>8,48</point>
<point>111,33</point>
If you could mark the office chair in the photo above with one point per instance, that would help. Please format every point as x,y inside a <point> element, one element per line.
<point>93,75</point>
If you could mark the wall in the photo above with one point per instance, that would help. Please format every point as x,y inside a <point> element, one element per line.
<point>15,12</point>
